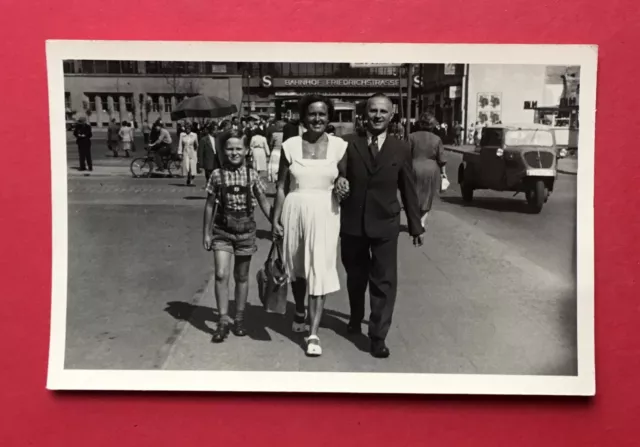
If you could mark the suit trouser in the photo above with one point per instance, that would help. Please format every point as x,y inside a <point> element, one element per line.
<point>372,262</point>
<point>84,151</point>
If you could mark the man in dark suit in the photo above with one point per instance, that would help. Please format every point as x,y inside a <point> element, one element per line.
<point>210,155</point>
<point>292,129</point>
<point>376,165</point>
<point>83,135</point>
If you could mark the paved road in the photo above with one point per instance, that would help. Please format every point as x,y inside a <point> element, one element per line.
<point>492,290</point>
<point>548,238</point>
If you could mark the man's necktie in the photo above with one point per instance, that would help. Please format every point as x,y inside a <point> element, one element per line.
<point>373,146</point>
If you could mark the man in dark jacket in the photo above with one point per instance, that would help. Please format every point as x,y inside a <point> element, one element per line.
<point>210,155</point>
<point>83,135</point>
<point>376,165</point>
<point>293,128</point>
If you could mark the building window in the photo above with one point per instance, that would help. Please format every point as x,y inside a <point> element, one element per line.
<point>167,104</point>
<point>86,67</point>
<point>101,66</point>
<point>129,67</point>
<point>152,67</point>
<point>113,67</point>
<point>68,67</point>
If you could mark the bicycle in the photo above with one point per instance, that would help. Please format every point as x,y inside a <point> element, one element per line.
<point>143,167</point>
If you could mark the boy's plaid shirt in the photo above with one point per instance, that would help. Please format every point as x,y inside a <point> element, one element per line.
<point>237,177</point>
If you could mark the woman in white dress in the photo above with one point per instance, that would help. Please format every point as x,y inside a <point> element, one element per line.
<point>307,216</point>
<point>276,148</point>
<point>260,151</point>
<point>188,149</point>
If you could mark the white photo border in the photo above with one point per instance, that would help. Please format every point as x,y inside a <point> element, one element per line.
<point>583,384</point>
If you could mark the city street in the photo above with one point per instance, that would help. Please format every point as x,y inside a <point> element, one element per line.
<point>492,291</point>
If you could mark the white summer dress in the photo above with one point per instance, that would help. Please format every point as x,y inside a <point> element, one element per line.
<point>311,217</point>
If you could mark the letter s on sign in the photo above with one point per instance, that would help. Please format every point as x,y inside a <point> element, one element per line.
<point>267,81</point>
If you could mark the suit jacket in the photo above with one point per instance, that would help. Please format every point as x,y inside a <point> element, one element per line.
<point>290,130</point>
<point>207,158</point>
<point>372,208</point>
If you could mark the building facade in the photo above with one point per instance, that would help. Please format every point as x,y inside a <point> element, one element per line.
<point>143,90</point>
<point>275,88</point>
<point>146,90</point>
<point>504,93</point>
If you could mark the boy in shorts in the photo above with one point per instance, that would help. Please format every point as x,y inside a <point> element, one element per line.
<point>230,229</point>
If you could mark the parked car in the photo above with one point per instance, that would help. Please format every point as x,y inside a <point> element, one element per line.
<point>518,158</point>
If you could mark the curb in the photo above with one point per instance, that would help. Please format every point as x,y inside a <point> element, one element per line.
<point>462,151</point>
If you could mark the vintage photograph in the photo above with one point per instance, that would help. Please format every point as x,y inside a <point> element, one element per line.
<point>378,219</point>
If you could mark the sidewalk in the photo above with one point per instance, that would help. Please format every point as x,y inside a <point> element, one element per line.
<point>567,165</point>
<point>449,316</point>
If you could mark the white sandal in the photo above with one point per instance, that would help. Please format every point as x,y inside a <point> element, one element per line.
<point>313,349</point>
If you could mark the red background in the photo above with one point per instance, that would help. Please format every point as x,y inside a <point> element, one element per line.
<point>31,415</point>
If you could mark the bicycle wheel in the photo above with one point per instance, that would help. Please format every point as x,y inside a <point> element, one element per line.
<point>175,168</point>
<point>141,167</point>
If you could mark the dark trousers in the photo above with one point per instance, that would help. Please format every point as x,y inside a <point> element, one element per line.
<point>207,174</point>
<point>84,150</point>
<point>162,150</point>
<point>372,262</point>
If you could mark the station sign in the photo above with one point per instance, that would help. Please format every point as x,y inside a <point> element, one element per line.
<point>373,65</point>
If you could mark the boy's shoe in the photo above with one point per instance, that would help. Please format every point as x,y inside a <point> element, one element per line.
<point>221,332</point>
<point>238,328</point>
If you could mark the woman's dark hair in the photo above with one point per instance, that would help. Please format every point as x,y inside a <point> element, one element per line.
<point>230,134</point>
<point>307,100</point>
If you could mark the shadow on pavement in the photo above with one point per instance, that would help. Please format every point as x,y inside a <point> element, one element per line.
<point>257,322</point>
<point>195,198</point>
<point>502,204</point>
<point>263,234</point>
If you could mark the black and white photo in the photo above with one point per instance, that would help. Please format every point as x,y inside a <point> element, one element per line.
<point>310,217</point>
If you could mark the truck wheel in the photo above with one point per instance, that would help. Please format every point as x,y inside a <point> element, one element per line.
<point>465,187</point>
<point>467,191</point>
<point>536,196</point>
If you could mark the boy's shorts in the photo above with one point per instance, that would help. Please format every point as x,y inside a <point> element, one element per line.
<point>237,244</point>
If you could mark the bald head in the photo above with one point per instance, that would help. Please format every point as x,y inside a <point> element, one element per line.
<point>379,113</point>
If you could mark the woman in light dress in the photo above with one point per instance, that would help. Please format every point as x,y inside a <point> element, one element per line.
<point>276,148</point>
<point>126,137</point>
<point>307,217</point>
<point>259,151</point>
<point>188,149</point>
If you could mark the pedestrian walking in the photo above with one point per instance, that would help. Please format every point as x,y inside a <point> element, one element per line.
<point>230,231</point>
<point>376,165</point>
<point>83,135</point>
<point>126,137</point>
<point>259,151</point>
<point>188,150</point>
<point>209,154</point>
<point>113,137</point>
<point>307,217</point>
<point>146,132</point>
<point>275,144</point>
<point>429,162</point>
<point>457,132</point>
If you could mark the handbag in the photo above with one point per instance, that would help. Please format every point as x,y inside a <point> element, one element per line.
<point>237,222</point>
<point>273,282</point>
<point>444,184</point>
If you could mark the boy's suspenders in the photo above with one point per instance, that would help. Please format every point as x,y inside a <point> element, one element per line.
<point>247,192</point>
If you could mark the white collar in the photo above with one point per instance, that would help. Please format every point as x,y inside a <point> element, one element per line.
<point>381,137</point>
